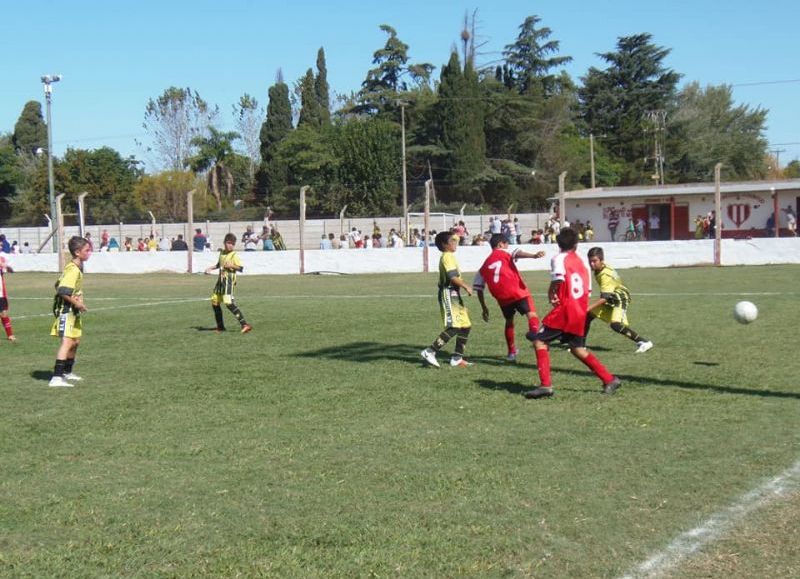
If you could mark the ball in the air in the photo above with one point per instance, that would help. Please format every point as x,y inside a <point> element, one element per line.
<point>745,312</point>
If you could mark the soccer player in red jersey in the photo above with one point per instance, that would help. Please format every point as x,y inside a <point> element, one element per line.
<point>500,274</point>
<point>569,291</point>
<point>6,321</point>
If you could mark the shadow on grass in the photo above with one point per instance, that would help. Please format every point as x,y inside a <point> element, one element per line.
<point>204,328</point>
<point>366,352</point>
<point>628,379</point>
<point>42,375</point>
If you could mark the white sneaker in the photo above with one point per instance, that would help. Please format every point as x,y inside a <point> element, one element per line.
<point>73,377</point>
<point>430,357</point>
<point>59,382</point>
<point>512,356</point>
<point>459,362</point>
<point>643,347</point>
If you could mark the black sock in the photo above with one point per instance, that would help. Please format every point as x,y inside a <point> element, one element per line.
<point>461,341</point>
<point>443,338</point>
<point>237,313</point>
<point>59,369</point>
<point>218,317</point>
<point>68,363</point>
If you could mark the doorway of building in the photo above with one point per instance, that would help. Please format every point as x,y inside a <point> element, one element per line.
<point>658,221</point>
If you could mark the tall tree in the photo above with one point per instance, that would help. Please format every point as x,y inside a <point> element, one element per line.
<point>531,58</point>
<point>368,167</point>
<point>273,175</point>
<point>107,177</point>
<point>164,194</point>
<point>310,110</point>
<point>213,154</point>
<point>615,102</point>
<point>321,88</point>
<point>173,120</point>
<point>30,130</point>
<point>460,112</point>
<point>708,128</point>
<point>385,80</point>
<point>247,117</point>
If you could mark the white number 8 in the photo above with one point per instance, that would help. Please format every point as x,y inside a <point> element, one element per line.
<point>576,286</point>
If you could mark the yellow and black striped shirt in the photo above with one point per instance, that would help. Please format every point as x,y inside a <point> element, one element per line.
<point>70,283</point>
<point>227,278</point>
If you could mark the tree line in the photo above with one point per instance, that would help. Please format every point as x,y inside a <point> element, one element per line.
<point>488,137</point>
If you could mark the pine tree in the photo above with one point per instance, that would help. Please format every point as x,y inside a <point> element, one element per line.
<point>321,88</point>
<point>529,61</point>
<point>30,131</point>
<point>462,123</point>
<point>310,111</point>
<point>273,176</point>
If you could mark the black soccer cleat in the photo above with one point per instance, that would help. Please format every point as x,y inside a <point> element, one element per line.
<point>612,386</point>
<point>539,392</point>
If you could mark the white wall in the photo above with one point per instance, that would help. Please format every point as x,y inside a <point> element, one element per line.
<point>760,251</point>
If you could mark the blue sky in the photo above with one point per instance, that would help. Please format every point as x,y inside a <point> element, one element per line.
<point>115,56</point>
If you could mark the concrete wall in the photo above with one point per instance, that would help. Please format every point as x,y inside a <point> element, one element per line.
<point>289,229</point>
<point>760,251</point>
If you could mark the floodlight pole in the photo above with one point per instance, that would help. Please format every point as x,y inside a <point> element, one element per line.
<point>48,80</point>
<point>591,157</point>
<point>341,220</point>
<point>58,237</point>
<point>776,212</point>
<point>303,190</point>
<point>717,216</point>
<point>81,215</point>
<point>190,220</point>
<point>561,201</point>
<point>426,244</point>
<point>405,185</point>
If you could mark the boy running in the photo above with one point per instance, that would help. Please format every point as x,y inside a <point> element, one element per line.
<point>499,272</point>
<point>228,265</point>
<point>612,307</point>
<point>67,308</point>
<point>569,294</point>
<point>6,321</point>
<point>454,313</point>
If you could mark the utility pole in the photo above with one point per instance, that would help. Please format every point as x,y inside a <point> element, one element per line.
<point>657,121</point>
<point>777,153</point>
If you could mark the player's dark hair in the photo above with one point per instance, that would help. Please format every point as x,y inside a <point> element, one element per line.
<point>596,251</point>
<point>229,237</point>
<point>567,239</point>
<point>75,244</point>
<point>497,239</point>
<point>442,239</point>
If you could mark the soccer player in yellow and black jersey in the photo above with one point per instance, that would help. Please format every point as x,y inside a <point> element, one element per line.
<point>455,316</point>
<point>228,265</point>
<point>612,307</point>
<point>67,308</point>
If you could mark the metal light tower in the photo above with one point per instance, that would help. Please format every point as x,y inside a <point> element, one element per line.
<point>48,80</point>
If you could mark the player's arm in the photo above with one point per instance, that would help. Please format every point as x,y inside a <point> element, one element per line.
<point>212,268</point>
<point>519,254</point>
<point>457,281</point>
<point>478,286</point>
<point>552,292</point>
<point>76,301</point>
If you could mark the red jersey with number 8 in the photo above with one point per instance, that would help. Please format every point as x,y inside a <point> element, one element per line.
<point>569,315</point>
<point>500,274</point>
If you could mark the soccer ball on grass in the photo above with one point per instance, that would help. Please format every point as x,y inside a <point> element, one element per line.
<point>745,312</point>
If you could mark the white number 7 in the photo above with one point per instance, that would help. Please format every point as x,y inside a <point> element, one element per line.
<point>496,267</point>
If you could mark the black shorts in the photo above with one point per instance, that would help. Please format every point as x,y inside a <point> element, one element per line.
<point>547,335</point>
<point>3,304</point>
<point>523,306</point>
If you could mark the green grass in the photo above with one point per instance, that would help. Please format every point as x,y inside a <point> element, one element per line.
<point>318,445</point>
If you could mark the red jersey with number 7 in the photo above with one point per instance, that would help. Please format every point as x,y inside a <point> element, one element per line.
<point>569,315</point>
<point>500,274</point>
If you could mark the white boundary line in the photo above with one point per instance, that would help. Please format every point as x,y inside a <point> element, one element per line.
<point>688,543</point>
<point>92,310</point>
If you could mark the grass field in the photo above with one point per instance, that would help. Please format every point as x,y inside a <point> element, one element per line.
<point>319,446</point>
